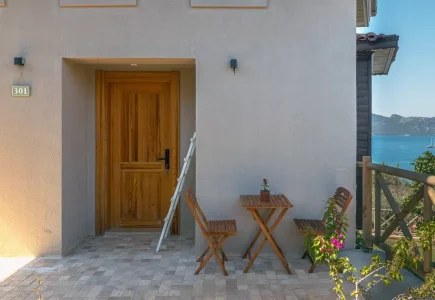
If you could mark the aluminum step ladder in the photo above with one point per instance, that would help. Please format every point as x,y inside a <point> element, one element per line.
<point>176,197</point>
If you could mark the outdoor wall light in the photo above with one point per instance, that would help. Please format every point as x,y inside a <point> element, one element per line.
<point>19,61</point>
<point>233,64</point>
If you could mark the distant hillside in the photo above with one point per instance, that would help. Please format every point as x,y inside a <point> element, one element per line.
<point>398,125</point>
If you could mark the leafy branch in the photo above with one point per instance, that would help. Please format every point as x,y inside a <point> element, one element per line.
<point>386,272</point>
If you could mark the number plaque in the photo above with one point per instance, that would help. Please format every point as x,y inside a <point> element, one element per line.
<point>20,91</point>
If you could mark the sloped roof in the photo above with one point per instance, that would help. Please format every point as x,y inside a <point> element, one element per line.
<point>383,47</point>
<point>370,36</point>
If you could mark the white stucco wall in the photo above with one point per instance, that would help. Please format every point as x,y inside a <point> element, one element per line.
<point>77,87</point>
<point>288,113</point>
<point>187,128</point>
<point>30,135</point>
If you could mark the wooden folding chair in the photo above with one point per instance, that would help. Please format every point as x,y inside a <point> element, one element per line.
<point>215,233</point>
<point>342,200</point>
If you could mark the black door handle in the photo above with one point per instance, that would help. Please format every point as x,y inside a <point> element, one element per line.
<point>166,159</point>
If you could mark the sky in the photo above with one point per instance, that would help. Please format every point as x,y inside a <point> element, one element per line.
<point>409,88</point>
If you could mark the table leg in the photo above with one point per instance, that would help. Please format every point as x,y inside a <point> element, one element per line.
<point>266,220</point>
<point>268,237</point>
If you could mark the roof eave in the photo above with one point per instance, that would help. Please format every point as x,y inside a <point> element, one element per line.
<point>364,11</point>
<point>378,47</point>
<point>388,62</point>
<point>374,8</point>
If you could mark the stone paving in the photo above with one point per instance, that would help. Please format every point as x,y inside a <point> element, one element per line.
<point>126,266</point>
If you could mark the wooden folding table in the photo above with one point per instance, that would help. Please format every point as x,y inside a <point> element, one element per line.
<point>253,204</point>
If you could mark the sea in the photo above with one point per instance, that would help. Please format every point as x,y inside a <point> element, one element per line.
<point>399,150</point>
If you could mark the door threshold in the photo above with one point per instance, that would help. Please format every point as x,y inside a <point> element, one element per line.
<point>133,230</point>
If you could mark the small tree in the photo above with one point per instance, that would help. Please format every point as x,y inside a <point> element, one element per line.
<point>424,164</point>
<point>323,249</point>
<point>385,272</point>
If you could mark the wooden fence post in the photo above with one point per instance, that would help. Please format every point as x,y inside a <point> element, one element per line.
<point>427,217</point>
<point>378,209</point>
<point>367,203</point>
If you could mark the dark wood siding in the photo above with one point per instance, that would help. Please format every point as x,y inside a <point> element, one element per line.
<point>364,122</point>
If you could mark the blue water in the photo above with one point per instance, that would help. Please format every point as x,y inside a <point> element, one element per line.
<point>402,150</point>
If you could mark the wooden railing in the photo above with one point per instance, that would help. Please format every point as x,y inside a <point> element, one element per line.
<point>388,216</point>
<point>426,192</point>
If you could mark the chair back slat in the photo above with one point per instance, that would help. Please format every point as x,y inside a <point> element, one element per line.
<point>342,200</point>
<point>196,210</point>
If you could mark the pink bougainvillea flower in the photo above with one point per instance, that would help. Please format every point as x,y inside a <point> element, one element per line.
<point>336,230</point>
<point>340,236</point>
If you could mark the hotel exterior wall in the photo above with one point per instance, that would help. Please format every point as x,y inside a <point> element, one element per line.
<point>288,113</point>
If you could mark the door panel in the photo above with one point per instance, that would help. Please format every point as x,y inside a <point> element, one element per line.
<point>140,196</point>
<point>140,132</point>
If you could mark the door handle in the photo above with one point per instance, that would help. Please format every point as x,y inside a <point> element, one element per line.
<point>166,159</point>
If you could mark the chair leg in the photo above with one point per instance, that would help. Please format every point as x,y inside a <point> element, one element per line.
<point>305,254</point>
<point>313,263</point>
<point>201,258</point>
<point>203,263</point>
<point>220,262</point>
<point>224,257</point>
<point>213,249</point>
<point>313,267</point>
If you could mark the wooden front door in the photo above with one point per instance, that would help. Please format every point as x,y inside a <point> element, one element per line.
<point>142,149</point>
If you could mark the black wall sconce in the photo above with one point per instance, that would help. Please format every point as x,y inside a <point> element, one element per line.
<point>19,61</point>
<point>233,64</point>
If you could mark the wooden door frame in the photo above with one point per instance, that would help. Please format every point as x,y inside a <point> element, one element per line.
<point>103,79</point>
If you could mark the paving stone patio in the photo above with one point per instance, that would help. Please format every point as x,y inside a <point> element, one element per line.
<point>126,266</point>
